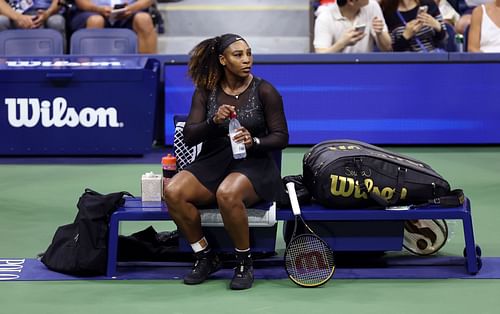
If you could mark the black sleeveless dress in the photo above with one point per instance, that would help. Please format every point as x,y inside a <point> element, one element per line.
<point>259,109</point>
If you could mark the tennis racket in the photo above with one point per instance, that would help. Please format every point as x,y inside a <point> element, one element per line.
<point>308,259</point>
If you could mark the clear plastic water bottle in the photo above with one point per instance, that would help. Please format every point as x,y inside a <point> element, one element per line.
<point>239,151</point>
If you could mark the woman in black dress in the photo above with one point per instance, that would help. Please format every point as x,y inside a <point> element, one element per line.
<point>220,68</point>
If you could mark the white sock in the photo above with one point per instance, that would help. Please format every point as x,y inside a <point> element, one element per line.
<point>242,251</point>
<point>199,245</point>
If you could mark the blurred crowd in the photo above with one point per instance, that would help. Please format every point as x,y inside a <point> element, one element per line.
<point>406,25</point>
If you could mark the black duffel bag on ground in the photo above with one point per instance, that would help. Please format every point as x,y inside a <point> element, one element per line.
<point>350,174</point>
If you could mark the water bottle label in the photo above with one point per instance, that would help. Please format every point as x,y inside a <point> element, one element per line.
<point>239,150</point>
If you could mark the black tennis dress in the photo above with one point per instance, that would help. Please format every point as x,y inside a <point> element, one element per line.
<point>260,110</point>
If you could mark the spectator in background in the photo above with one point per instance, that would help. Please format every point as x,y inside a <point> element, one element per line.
<point>133,15</point>
<point>350,26</point>
<point>31,14</point>
<point>484,33</point>
<point>449,14</point>
<point>415,25</point>
<point>464,21</point>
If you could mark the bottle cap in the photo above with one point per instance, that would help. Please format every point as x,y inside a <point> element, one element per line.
<point>169,160</point>
<point>232,115</point>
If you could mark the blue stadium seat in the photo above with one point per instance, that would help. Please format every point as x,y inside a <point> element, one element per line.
<point>450,45</point>
<point>31,42</point>
<point>103,41</point>
<point>466,38</point>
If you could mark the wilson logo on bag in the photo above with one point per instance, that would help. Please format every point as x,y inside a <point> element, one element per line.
<point>351,174</point>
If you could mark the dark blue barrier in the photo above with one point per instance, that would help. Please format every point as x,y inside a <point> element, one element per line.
<point>77,105</point>
<point>381,98</point>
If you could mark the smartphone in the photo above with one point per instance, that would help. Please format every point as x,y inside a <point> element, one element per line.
<point>360,28</point>
<point>119,6</point>
<point>423,9</point>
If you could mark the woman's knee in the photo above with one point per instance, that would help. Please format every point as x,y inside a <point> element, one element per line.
<point>173,194</point>
<point>143,23</point>
<point>5,23</point>
<point>228,198</point>
<point>95,21</point>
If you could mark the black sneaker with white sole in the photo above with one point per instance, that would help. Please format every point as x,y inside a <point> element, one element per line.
<point>206,263</point>
<point>243,273</point>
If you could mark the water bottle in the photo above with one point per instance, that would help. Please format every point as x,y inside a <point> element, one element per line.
<point>459,41</point>
<point>169,167</point>
<point>239,150</point>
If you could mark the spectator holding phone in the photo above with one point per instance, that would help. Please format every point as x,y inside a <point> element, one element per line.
<point>25,14</point>
<point>484,33</point>
<point>133,15</point>
<point>350,26</point>
<point>415,25</point>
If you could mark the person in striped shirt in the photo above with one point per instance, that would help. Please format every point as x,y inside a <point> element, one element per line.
<point>415,25</point>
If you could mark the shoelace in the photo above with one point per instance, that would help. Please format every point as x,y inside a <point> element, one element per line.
<point>241,270</point>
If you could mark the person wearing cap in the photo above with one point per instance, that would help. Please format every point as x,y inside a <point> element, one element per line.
<point>221,69</point>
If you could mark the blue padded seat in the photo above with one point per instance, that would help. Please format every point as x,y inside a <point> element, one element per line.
<point>103,41</point>
<point>31,42</point>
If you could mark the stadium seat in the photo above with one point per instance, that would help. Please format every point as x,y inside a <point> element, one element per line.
<point>103,41</point>
<point>449,44</point>
<point>466,38</point>
<point>31,42</point>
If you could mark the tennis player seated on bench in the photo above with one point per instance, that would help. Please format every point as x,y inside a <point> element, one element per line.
<point>220,69</point>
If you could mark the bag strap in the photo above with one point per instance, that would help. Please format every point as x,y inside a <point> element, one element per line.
<point>92,192</point>
<point>455,198</point>
<point>419,42</point>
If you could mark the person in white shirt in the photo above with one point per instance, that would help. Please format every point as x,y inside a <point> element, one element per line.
<point>448,12</point>
<point>484,33</point>
<point>351,26</point>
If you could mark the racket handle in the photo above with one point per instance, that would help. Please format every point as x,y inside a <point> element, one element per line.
<point>293,198</point>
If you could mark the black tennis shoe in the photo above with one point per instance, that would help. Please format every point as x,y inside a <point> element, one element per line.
<point>206,264</point>
<point>243,274</point>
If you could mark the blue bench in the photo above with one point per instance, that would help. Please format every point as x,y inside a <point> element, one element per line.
<point>136,210</point>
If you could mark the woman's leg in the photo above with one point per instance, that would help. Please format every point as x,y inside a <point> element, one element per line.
<point>234,193</point>
<point>147,37</point>
<point>232,196</point>
<point>182,193</point>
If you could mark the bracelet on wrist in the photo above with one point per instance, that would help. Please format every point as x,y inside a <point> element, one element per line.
<point>210,121</point>
<point>256,141</point>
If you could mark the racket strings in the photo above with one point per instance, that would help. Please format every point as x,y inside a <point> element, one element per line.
<point>309,260</point>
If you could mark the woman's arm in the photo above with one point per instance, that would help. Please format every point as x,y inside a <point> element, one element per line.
<point>277,136</point>
<point>474,40</point>
<point>198,126</point>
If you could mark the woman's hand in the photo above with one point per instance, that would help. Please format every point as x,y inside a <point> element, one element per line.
<point>377,25</point>
<point>428,20</point>
<point>24,21</point>
<point>223,113</point>
<point>412,28</point>
<point>41,17</point>
<point>244,136</point>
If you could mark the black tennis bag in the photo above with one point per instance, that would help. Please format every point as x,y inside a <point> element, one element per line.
<point>80,248</point>
<point>350,174</point>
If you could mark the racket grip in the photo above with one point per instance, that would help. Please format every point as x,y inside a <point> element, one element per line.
<point>293,198</point>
